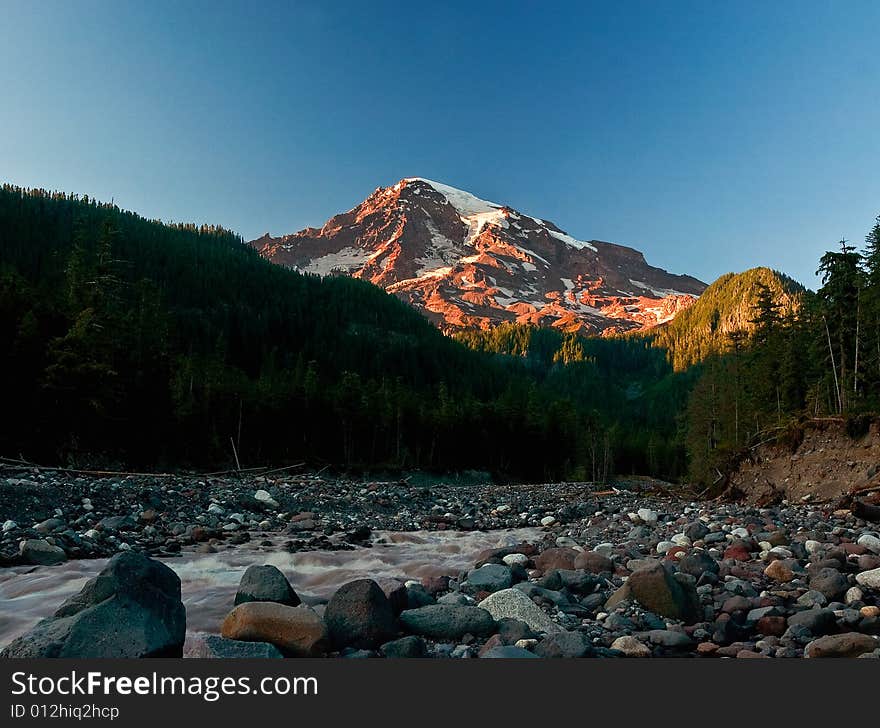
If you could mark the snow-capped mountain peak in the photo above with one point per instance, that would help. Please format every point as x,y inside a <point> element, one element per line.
<point>468,262</point>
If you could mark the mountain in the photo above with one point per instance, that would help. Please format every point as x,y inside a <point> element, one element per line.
<point>728,305</point>
<point>468,263</point>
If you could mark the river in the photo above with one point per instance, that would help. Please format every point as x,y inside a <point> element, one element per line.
<point>209,581</point>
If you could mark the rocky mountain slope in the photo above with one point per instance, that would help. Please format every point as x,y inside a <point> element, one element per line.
<point>469,263</point>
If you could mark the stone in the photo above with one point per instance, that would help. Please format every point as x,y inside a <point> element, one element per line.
<point>396,592</point>
<point>39,552</point>
<point>853,594</point>
<point>507,652</point>
<point>408,647</point>
<point>265,498</point>
<point>779,570</point>
<point>511,631</point>
<point>548,521</point>
<point>593,562</point>
<point>631,647</point>
<point>131,609</point>
<point>515,604</point>
<point>265,583</point>
<point>296,631</point>
<point>359,615</point>
<point>448,621</point>
<point>515,559</point>
<point>555,558</point>
<point>488,578</point>
<point>697,563</point>
<point>655,589</point>
<point>870,579</point>
<point>211,646</point>
<point>848,644</point>
<point>695,531</point>
<point>670,638</point>
<point>829,582</point>
<point>564,645</point>
<point>817,621</point>
<point>870,542</point>
<point>647,515</point>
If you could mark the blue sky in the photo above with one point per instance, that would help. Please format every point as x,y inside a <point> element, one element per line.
<point>714,136</point>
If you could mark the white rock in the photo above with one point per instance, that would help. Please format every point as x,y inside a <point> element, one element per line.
<point>631,647</point>
<point>606,549</point>
<point>515,559</point>
<point>812,546</point>
<point>870,542</point>
<point>515,604</point>
<point>740,532</point>
<point>264,497</point>
<point>870,579</point>
<point>124,546</point>
<point>680,539</point>
<point>664,546</point>
<point>647,515</point>
<point>548,521</point>
<point>9,525</point>
<point>853,594</point>
<point>216,509</point>
<point>92,533</point>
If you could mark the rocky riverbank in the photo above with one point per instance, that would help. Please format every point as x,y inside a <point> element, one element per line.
<point>608,574</point>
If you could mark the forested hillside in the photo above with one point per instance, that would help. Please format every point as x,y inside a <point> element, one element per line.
<point>724,314</point>
<point>821,359</point>
<point>134,340</point>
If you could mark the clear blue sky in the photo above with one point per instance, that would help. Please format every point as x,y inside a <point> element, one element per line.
<point>713,136</point>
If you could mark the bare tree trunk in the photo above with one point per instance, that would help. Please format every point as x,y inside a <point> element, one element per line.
<point>833,367</point>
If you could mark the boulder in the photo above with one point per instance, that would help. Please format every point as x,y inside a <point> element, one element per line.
<point>555,558</point>
<point>296,631</point>
<point>265,584</point>
<point>848,644</point>
<point>409,647</point>
<point>657,590</point>
<point>488,578</point>
<point>213,646</point>
<point>448,621</point>
<point>830,583</point>
<point>593,562</point>
<point>132,608</point>
<point>515,604</point>
<point>697,563</point>
<point>631,647</point>
<point>359,615</point>
<point>38,552</point>
<point>817,621</point>
<point>564,644</point>
<point>870,579</point>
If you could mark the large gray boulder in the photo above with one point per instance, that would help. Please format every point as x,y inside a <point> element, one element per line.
<point>39,552</point>
<point>360,615</point>
<point>265,584</point>
<point>131,609</point>
<point>448,621</point>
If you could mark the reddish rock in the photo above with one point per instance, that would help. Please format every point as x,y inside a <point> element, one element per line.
<point>297,631</point>
<point>593,562</point>
<point>556,558</point>
<point>771,626</point>
<point>738,550</point>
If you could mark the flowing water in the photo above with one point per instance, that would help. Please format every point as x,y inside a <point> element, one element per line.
<point>209,581</point>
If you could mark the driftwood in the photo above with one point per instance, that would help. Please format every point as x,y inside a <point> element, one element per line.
<point>865,511</point>
<point>18,464</point>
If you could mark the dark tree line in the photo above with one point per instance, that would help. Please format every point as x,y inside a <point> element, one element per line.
<point>133,341</point>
